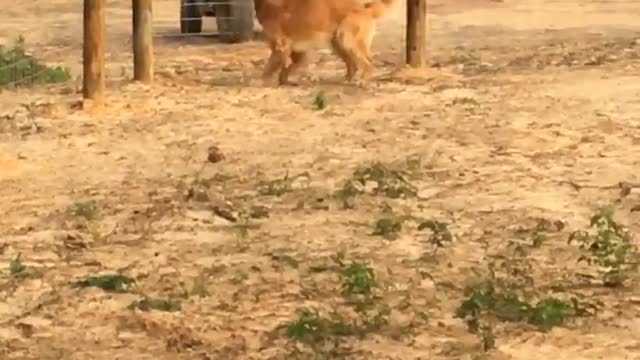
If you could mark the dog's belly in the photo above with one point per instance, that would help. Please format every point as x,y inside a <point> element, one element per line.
<point>318,40</point>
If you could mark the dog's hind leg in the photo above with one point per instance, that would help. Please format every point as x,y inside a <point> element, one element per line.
<point>338,43</point>
<point>355,35</point>
<point>366,47</point>
<point>346,57</point>
<point>361,45</point>
<point>365,57</point>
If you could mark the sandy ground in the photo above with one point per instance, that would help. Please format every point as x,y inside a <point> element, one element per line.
<point>529,110</point>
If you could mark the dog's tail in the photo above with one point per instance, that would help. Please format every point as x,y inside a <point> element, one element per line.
<point>379,8</point>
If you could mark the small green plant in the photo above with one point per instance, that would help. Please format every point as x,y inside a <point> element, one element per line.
<point>199,287</point>
<point>320,101</point>
<point>465,101</point>
<point>388,227</point>
<point>310,327</point>
<point>148,304</point>
<point>285,259</point>
<point>16,267</point>
<point>258,212</point>
<point>279,187</point>
<point>390,224</point>
<point>385,181</point>
<point>244,225</point>
<point>359,279</point>
<point>550,312</point>
<point>609,246</point>
<point>275,187</point>
<point>347,194</point>
<point>324,335</point>
<point>86,209</point>
<point>486,298</point>
<point>546,225</point>
<point>198,190</point>
<point>17,68</point>
<point>388,182</point>
<point>440,233</point>
<point>537,239</point>
<point>240,276</point>
<point>539,233</point>
<point>111,283</point>
<point>488,338</point>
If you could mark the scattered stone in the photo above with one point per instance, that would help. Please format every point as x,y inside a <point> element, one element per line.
<point>214,154</point>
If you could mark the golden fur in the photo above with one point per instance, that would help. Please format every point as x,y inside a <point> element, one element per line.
<point>293,27</point>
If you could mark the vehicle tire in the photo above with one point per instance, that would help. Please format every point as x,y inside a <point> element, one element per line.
<point>190,17</point>
<point>234,19</point>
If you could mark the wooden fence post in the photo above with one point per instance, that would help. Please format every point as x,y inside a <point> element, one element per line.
<point>416,51</point>
<point>142,41</point>
<point>93,50</point>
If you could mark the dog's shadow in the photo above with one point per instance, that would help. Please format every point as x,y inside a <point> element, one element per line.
<point>256,82</point>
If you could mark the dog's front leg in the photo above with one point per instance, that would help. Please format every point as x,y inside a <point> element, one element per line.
<point>299,60</point>
<point>270,69</point>
<point>339,49</point>
<point>278,60</point>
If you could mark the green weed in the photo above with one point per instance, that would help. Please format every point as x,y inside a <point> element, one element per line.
<point>506,305</point>
<point>17,68</point>
<point>385,181</point>
<point>320,101</point>
<point>609,246</point>
<point>286,259</point>
<point>388,182</point>
<point>279,187</point>
<point>347,194</point>
<point>310,327</point>
<point>244,225</point>
<point>359,279</point>
<point>86,209</point>
<point>488,338</point>
<point>537,239</point>
<point>199,287</point>
<point>148,304</point>
<point>258,212</point>
<point>324,335</point>
<point>388,227</point>
<point>16,267</point>
<point>440,233</point>
<point>110,283</point>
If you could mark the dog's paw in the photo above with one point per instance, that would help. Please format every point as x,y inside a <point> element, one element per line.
<point>290,83</point>
<point>253,82</point>
<point>360,83</point>
<point>269,82</point>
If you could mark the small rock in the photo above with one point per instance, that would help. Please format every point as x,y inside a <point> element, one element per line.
<point>400,319</point>
<point>73,240</point>
<point>224,213</point>
<point>214,154</point>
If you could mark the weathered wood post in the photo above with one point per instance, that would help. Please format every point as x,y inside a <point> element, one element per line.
<point>142,41</point>
<point>416,51</point>
<point>93,50</point>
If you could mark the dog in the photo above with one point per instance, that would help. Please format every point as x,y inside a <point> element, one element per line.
<point>293,27</point>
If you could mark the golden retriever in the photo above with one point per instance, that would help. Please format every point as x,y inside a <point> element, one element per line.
<point>293,27</point>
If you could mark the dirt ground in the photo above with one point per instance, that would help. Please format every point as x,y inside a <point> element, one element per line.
<point>529,110</point>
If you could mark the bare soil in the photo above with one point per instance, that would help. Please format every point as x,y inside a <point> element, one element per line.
<point>529,110</point>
